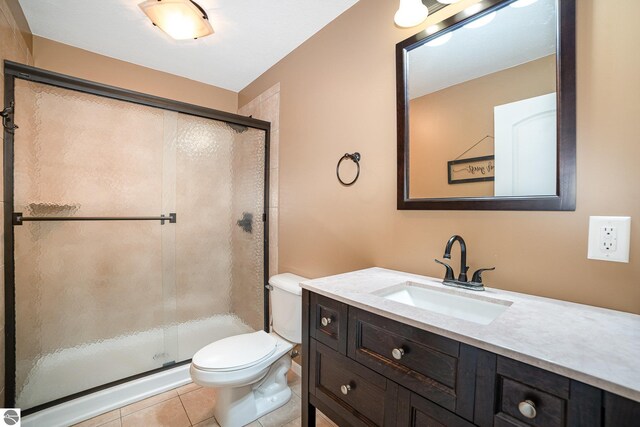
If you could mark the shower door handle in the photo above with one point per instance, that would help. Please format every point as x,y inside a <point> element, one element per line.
<point>18,218</point>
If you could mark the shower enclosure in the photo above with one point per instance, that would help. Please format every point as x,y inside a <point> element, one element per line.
<point>135,234</point>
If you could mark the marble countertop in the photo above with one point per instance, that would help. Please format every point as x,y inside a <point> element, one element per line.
<point>594,345</point>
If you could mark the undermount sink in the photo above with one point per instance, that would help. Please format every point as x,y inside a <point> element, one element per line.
<point>478,309</point>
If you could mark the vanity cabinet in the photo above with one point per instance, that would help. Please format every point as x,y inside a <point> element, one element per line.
<point>362,369</point>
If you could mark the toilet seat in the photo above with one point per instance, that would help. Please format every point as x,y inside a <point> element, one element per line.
<point>235,353</point>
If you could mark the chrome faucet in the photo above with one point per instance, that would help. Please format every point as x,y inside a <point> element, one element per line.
<point>461,282</point>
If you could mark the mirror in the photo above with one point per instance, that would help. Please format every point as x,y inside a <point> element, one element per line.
<point>486,109</point>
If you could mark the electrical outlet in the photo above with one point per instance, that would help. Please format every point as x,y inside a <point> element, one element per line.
<point>609,238</point>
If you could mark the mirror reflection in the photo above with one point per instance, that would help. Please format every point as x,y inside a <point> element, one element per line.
<point>482,106</point>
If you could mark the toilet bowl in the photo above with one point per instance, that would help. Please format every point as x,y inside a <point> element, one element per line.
<point>249,371</point>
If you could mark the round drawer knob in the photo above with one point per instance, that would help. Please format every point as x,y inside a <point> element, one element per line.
<point>527,409</point>
<point>345,389</point>
<point>397,353</point>
<point>325,321</point>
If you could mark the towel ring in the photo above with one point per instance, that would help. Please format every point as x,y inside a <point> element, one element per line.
<point>356,159</point>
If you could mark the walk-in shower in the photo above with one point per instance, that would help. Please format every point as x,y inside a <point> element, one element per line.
<point>135,234</point>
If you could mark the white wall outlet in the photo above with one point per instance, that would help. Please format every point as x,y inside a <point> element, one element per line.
<point>609,238</point>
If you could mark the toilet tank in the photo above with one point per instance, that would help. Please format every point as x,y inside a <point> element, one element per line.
<point>286,306</point>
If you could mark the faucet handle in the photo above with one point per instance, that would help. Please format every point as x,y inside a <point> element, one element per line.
<point>449,273</point>
<point>477,276</point>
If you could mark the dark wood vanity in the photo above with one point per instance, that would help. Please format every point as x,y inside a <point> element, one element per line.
<point>361,369</point>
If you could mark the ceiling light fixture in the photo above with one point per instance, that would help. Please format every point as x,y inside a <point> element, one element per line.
<point>180,19</point>
<point>448,1</point>
<point>410,13</point>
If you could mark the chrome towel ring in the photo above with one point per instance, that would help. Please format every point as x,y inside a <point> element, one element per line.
<point>356,159</point>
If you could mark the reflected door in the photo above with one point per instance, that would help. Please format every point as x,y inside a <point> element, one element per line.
<point>525,147</point>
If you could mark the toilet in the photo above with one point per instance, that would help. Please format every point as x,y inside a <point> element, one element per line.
<point>249,371</point>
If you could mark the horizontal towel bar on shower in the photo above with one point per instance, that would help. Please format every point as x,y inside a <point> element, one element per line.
<point>18,218</point>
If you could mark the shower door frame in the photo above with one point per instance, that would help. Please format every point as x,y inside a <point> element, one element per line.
<point>13,71</point>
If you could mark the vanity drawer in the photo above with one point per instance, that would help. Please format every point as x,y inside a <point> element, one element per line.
<point>329,322</point>
<point>423,362</point>
<point>357,394</point>
<point>557,400</point>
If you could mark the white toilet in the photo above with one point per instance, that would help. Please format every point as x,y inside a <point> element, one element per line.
<point>249,371</point>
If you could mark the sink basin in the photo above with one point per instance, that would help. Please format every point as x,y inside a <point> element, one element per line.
<point>478,309</point>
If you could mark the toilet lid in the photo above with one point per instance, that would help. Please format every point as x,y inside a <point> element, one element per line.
<point>236,352</point>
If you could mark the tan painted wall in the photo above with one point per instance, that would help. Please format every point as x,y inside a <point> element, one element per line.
<point>338,95</point>
<point>76,62</point>
<point>437,136</point>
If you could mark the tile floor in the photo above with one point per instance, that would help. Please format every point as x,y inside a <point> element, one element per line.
<point>192,405</point>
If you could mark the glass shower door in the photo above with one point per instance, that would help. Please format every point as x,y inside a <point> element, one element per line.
<point>94,299</point>
<point>108,284</point>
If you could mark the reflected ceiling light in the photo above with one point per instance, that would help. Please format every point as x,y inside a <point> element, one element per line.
<point>440,40</point>
<point>481,22</point>
<point>448,1</point>
<point>410,13</point>
<point>180,19</point>
<point>523,3</point>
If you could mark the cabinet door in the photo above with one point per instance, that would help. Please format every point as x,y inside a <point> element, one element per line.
<point>620,412</point>
<point>416,411</point>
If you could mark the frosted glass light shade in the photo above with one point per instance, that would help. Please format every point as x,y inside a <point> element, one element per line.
<point>180,19</point>
<point>448,1</point>
<point>410,13</point>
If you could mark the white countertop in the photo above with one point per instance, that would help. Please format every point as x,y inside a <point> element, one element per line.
<point>594,345</point>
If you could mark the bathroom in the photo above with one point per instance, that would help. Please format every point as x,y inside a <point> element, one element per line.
<point>335,92</point>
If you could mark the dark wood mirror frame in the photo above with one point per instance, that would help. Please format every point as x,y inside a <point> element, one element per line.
<point>565,197</point>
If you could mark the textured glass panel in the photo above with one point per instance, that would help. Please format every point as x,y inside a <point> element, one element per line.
<point>89,295</point>
<point>215,162</point>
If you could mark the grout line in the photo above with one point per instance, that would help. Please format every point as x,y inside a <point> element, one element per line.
<point>185,409</point>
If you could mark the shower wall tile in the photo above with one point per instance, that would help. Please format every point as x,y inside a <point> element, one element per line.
<point>273,189</point>
<point>269,110</point>
<point>274,149</point>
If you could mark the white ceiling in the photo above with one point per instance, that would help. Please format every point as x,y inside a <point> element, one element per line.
<point>250,35</point>
<point>515,36</point>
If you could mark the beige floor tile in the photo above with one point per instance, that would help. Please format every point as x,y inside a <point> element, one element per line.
<point>100,419</point>
<point>187,388</point>
<point>129,409</point>
<point>211,422</point>
<point>283,415</point>
<point>169,413</point>
<point>295,423</point>
<point>295,382</point>
<point>114,423</point>
<point>323,421</point>
<point>199,404</point>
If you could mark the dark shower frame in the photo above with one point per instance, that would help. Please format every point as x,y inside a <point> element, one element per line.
<point>13,71</point>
